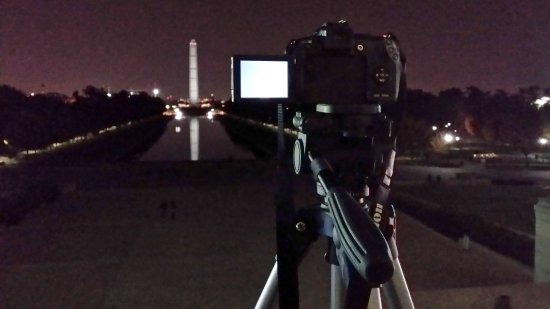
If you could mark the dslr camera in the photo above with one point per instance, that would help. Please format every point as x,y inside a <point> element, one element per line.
<point>334,66</point>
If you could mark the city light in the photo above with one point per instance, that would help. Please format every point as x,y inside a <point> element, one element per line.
<point>543,141</point>
<point>156,92</point>
<point>109,94</point>
<point>179,114</point>
<point>6,142</point>
<point>542,101</point>
<point>434,128</point>
<point>448,138</point>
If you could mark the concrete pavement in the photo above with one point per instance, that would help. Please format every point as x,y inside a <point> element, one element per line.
<point>111,247</point>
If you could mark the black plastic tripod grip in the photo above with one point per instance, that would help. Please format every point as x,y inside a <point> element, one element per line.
<point>356,234</point>
<point>363,243</point>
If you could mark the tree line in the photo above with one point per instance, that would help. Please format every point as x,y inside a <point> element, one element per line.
<point>36,121</point>
<point>497,118</point>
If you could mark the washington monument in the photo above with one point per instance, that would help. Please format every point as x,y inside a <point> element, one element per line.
<point>193,73</point>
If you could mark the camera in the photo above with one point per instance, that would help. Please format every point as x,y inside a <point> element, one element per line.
<point>347,92</point>
<point>334,66</point>
<point>339,67</point>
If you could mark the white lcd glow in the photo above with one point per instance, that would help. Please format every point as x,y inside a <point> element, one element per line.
<point>264,79</point>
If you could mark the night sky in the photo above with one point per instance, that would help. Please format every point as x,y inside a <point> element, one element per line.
<point>64,45</point>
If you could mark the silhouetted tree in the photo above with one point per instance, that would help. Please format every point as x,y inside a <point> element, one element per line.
<point>414,135</point>
<point>10,100</point>
<point>32,122</point>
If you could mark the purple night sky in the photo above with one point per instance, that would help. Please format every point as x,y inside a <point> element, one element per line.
<point>66,45</point>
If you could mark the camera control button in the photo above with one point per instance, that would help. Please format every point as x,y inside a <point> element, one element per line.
<point>381,75</point>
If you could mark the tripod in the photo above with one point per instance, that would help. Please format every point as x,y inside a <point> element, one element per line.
<point>359,226</point>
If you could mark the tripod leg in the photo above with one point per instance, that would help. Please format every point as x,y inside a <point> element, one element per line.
<point>336,288</point>
<point>396,292</point>
<point>374,301</point>
<point>269,291</point>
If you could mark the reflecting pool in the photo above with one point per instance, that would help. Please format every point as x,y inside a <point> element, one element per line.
<point>193,139</point>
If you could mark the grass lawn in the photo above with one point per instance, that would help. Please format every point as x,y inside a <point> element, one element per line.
<point>510,206</point>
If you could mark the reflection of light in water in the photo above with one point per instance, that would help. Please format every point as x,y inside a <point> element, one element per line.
<point>178,129</point>
<point>194,135</point>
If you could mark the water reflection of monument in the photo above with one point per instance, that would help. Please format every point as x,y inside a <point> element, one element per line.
<point>178,145</point>
<point>194,138</point>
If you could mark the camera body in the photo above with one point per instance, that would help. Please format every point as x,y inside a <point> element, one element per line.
<point>339,67</point>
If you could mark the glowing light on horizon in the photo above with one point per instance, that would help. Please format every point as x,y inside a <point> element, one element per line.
<point>540,102</point>
<point>448,138</point>
<point>179,114</point>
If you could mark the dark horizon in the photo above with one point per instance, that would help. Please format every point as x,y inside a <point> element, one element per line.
<point>62,47</point>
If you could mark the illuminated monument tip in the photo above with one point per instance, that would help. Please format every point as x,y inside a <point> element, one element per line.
<point>193,73</point>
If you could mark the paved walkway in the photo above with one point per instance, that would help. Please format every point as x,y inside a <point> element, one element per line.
<point>113,248</point>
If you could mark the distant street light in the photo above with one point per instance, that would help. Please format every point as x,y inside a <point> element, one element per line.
<point>543,141</point>
<point>156,92</point>
<point>542,101</point>
<point>448,138</point>
<point>6,142</point>
<point>434,128</point>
